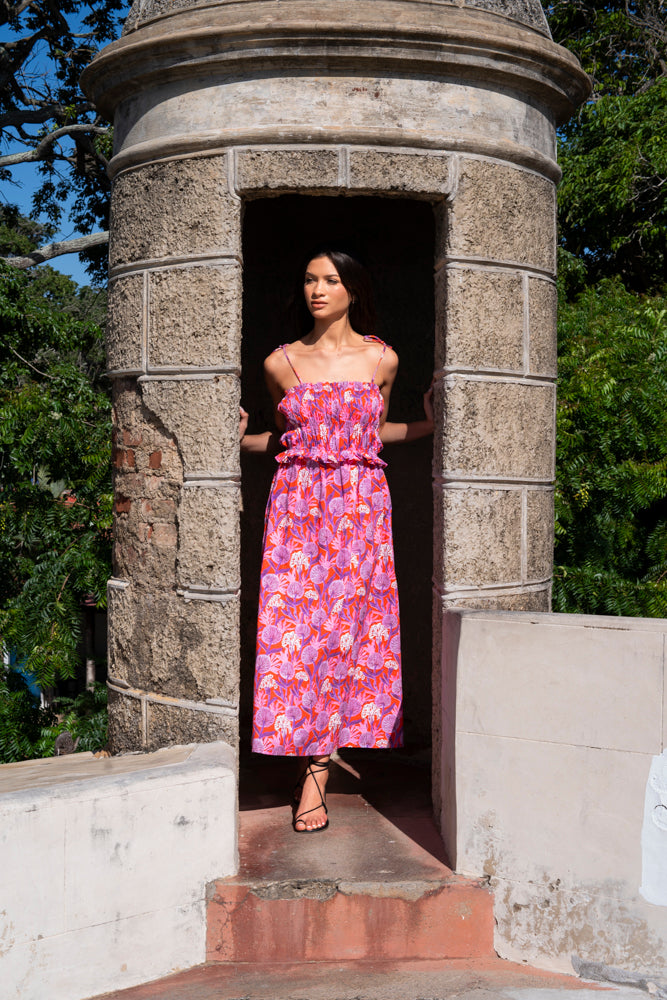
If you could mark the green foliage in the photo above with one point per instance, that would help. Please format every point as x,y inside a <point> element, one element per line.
<point>55,489</point>
<point>28,731</point>
<point>22,721</point>
<point>611,499</point>
<point>620,43</point>
<point>45,50</point>
<point>613,199</point>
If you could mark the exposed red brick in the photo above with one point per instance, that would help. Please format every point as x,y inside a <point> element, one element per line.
<point>132,438</point>
<point>155,459</point>
<point>165,534</point>
<point>129,458</point>
<point>122,504</point>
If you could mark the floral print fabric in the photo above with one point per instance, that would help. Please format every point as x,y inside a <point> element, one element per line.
<point>328,668</point>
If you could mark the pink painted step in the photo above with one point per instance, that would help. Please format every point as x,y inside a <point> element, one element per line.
<point>317,921</point>
<point>374,886</point>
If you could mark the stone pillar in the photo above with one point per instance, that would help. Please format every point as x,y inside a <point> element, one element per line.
<point>496,360</point>
<point>174,355</point>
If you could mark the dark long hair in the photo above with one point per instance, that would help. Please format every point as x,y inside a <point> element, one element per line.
<point>356,281</point>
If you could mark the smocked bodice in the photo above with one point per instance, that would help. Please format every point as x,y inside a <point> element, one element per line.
<point>332,422</point>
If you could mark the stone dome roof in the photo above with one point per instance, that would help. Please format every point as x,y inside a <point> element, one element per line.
<point>525,12</point>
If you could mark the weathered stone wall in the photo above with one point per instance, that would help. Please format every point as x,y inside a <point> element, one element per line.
<point>527,12</point>
<point>174,353</point>
<point>552,723</point>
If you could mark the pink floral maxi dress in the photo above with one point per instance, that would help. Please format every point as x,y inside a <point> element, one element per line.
<point>328,667</point>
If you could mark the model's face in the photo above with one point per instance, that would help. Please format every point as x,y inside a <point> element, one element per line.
<point>326,295</point>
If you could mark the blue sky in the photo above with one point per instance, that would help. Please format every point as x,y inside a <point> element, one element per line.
<point>26,179</point>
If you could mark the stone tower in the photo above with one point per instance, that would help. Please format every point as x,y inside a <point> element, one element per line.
<point>219,104</point>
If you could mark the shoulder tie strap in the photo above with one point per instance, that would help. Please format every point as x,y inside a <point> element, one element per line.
<point>283,347</point>
<point>382,352</point>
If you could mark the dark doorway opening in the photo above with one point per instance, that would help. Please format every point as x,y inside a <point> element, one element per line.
<point>395,238</point>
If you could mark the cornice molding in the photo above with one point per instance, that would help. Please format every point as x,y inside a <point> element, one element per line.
<point>462,44</point>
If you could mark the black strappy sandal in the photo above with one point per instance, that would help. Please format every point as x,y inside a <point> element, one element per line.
<point>311,769</point>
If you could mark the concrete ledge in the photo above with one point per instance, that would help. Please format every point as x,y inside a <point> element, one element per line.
<point>105,864</point>
<point>550,726</point>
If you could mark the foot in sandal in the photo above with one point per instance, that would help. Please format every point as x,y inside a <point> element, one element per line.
<point>310,811</point>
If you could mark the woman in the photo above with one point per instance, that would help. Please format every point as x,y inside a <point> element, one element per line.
<point>328,646</point>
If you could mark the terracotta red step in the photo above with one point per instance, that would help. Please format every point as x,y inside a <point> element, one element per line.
<point>308,921</point>
<point>374,886</point>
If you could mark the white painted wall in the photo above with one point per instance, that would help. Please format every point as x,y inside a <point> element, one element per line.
<point>551,724</point>
<point>104,867</point>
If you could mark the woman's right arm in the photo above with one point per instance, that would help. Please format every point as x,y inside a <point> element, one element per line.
<point>268,441</point>
<point>259,443</point>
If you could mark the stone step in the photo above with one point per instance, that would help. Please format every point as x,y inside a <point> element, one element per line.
<point>317,920</point>
<point>373,886</point>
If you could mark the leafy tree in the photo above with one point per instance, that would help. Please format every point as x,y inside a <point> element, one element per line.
<point>613,199</point>
<point>27,730</point>
<point>55,490</point>
<point>611,500</point>
<point>45,118</point>
<point>620,43</point>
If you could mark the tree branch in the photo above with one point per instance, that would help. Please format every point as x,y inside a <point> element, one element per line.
<point>16,117</point>
<point>57,250</point>
<point>38,152</point>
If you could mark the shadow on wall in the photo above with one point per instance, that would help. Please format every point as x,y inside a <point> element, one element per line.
<point>395,238</point>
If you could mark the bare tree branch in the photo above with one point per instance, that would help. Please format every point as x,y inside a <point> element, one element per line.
<point>38,152</point>
<point>26,116</point>
<point>57,250</point>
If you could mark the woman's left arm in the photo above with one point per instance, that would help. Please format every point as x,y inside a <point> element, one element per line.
<point>391,433</point>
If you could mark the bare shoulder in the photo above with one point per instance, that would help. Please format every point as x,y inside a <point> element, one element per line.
<point>276,366</point>
<point>389,365</point>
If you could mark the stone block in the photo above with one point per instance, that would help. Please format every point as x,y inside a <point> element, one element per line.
<point>169,725</point>
<point>479,319</point>
<point>113,908</point>
<point>496,429</point>
<point>176,208</point>
<point>126,732</point>
<point>390,172</point>
<point>539,534</point>
<point>542,310</point>
<point>439,696</point>
<point>209,538</point>
<point>503,213</point>
<point>561,683</point>
<point>477,537</point>
<point>161,643</point>
<point>125,323</point>
<point>617,928</point>
<point>202,416</point>
<point>594,792</point>
<point>311,170</point>
<point>145,538</point>
<point>194,317</point>
<point>147,476</point>
<point>517,599</point>
<point>139,436</point>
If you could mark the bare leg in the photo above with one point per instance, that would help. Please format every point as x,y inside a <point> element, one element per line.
<point>310,813</point>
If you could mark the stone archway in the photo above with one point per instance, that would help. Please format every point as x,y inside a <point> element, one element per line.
<point>396,238</point>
